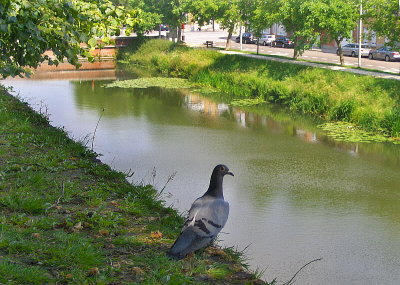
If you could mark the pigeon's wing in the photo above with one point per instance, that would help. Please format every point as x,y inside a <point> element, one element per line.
<point>207,217</point>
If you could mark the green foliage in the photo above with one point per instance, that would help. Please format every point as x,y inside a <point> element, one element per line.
<point>29,28</point>
<point>362,100</point>
<point>204,11</point>
<point>264,15</point>
<point>383,17</point>
<point>294,15</point>
<point>343,111</point>
<point>391,121</point>
<point>337,19</point>
<point>229,17</point>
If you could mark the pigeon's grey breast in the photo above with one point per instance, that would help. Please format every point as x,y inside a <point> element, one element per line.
<point>208,215</point>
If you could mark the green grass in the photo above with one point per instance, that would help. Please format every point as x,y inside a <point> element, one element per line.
<point>371,103</point>
<point>66,218</point>
<point>14,273</point>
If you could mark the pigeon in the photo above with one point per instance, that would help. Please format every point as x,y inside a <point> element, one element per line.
<point>207,216</point>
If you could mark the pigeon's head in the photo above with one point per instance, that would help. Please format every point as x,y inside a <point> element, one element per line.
<point>221,170</point>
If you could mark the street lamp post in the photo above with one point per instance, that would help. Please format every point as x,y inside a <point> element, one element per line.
<point>241,37</point>
<point>360,35</point>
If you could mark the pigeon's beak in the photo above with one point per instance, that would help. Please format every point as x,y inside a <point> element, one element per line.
<point>230,173</point>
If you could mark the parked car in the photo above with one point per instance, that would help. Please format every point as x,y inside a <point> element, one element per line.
<point>164,27</point>
<point>352,50</point>
<point>266,40</point>
<point>284,42</point>
<point>247,38</point>
<point>384,53</point>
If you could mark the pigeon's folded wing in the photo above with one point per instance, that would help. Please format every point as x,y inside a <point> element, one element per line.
<point>207,216</point>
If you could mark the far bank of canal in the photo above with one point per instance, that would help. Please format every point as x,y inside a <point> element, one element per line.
<point>296,194</point>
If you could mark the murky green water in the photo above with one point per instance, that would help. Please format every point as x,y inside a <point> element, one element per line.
<point>296,195</point>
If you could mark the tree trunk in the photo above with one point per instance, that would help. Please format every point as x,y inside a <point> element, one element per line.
<point>179,34</point>
<point>228,39</point>
<point>295,54</point>
<point>295,50</point>
<point>339,44</point>
<point>213,21</point>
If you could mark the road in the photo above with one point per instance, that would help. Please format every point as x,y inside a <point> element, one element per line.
<point>197,38</point>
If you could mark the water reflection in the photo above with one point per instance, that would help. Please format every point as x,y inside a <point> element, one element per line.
<point>164,106</point>
<point>306,131</point>
<point>296,194</point>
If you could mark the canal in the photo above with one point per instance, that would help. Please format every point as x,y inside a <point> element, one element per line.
<point>296,196</point>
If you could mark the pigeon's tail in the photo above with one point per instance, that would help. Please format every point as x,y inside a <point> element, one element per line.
<point>188,241</point>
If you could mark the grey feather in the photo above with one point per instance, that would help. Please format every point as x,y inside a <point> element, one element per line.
<point>207,216</point>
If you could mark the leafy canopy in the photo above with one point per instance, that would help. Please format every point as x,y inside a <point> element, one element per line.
<point>384,18</point>
<point>29,28</point>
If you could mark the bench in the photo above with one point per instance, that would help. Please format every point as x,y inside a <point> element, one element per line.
<point>209,43</point>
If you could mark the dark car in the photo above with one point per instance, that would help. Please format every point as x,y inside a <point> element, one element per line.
<point>284,42</point>
<point>163,27</point>
<point>247,38</point>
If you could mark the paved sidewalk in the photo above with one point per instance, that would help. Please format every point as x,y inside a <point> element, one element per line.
<point>319,65</point>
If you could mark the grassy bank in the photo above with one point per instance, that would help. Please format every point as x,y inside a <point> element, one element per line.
<point>371,103</point>
<point>66,218</point>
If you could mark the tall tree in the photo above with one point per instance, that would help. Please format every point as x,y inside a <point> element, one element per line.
<point>336,19</point>
<point>171,12</point>
<point>29,28</point>
<point>383,17</point>
<point>265,14</point>
<point>149,16</point>
<point>229,17</point>
<point>204,11</point>
<point>296,16</point>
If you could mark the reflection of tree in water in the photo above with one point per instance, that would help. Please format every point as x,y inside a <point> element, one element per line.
<point>176,106</point>
<point>158,105</point>
<point>281,165</point>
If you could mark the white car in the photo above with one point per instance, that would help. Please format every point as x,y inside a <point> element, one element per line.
<point>266,40</point>
<point>352,50</point>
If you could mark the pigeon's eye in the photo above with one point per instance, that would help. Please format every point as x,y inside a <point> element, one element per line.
<point>222,168</point>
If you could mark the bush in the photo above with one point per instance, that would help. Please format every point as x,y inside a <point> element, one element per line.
<point>343,111</point>
<point>391,122</point>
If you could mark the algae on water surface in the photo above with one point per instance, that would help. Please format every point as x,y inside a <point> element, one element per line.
<point>146,82</point>
<point>347,132</point>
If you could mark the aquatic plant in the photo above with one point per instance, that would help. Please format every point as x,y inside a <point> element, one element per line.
<point>146,82</point>
<point>247,102</point>
<point>347,132</point>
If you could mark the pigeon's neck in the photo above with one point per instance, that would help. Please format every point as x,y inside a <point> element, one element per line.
<point>215,188</point>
